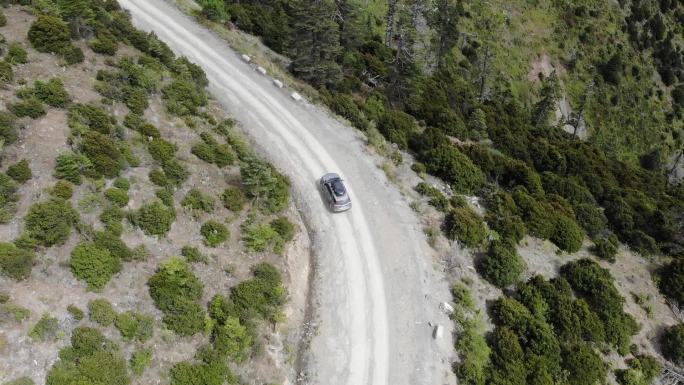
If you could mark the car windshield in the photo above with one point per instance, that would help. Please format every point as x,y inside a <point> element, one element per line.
<point>338,187</point>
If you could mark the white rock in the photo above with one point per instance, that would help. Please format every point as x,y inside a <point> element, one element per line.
<point>277,83</point>
<point>261,70</point>
<point>246,58</point>
<point>296,96</point>
<point>445,307</point>
<point>438,332</point>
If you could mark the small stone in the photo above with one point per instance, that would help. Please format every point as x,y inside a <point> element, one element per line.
<point>296,96</point>
<point>261,70</point>
<point>246,58</point>
<point>277,83</point>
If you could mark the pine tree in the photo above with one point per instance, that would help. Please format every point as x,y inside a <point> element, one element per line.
<point>546,105</point>
<point>404,67</point>
<point>79,15</point>
<point>348,17</point>
<point>315,42</point>
<point>445,23</point>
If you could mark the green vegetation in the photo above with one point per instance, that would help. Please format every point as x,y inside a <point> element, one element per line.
<point>196,200</point>
<point>192,254</point>
<point>8,129</point>
<point>45,329</point>
<point>258,237</point>
<point>6,73</point>
<point>214,233</point>
<point>463,224</point>
<point>502,266</point>
<point>30,107</point>
<point>94,265</point>
<point>51,92</point>
<point>50,222</point>
<point>269,188</point>
<point>49,34</point>
<point>20,381</point>
<point>210,151</point>
<point>175,291</point>
<point>673,344</point>
<point>20,171</point>
<point>91,358</point>
<point>134,326</point>
<point>140,360</point>
<point>261,296</point>
<point>71,166</point>
<point>154,218</point>
<point>642,370</point>
<point>471,344</point>
<point>16,54</point>
<point>117,196</point>
<point>10,312</point>
<point>233,199</point>
<point>435,197</point>
<point>75,312</point>
<point>672,280</point>
<point>101,311</point>
<point>8,198</point>
<point>15,262</point>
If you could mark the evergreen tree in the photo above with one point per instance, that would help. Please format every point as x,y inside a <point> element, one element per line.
<point>315,42</point>
<point>348,18</point>
<point>547,104</point>
<point>214,9</point>
<point>445,23</point>
<point>404,67</point>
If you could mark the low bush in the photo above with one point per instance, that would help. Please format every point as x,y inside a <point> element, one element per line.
<point>259,237</point>
<point>94,265</point>
<point>175,291</point>
<point>91,359</point>
<point>104,154</point>
<point>15,262</point>
<point>101,311</point>
<point>111,242</point>
<point>49,34</point>
<point>63,190</point>
<point>71,166</point>
<point>261,296</point>
<point>436,198</point>
<point>122,183</point>
<point>117,196</point>
<point>154,218</point>
<point>73,55</point>
<point>51,93</point>
<point>263,182</point>
<point>233,199</point>
<point>502,266</point>
<point>232,338</point>
<point>508,226</point>
<point>8,130</point>
<point>75,312</point>
<point>140,360</point>
<point>10,312</point>
<point>464,225</point>
<point>8,198</point>
<point>606,247</point>
<point>20,171</point>
<point>214,372</point>
<point>183,97</point>
<point>568,236</point>
<point>30,107</point>
<point>50,222</point>
<point>450,164</point>
<point>214,233</point>
<point>672,342</point>
<point>192,254</point>
<point>397,127</point>
<point>16,54</point>
<point>85,117</point>
<point>111,217</point>
<point>6,72</point>
<point>104,42</point>
<point>196,200</point>
<point>21,381</point>
<point>642,370</point>
<point>159,178</point>
<point>175,172</point>
<point>284,228</point>
<point>672,280</point>
<point>45,329</point>
<point>3,19</point>
<point>135,326</point>
<point>166,196</point>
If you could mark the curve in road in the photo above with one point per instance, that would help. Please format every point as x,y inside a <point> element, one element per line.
<point>370,261</point>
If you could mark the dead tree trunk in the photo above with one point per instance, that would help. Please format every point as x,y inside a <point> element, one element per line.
<point>391,12</point>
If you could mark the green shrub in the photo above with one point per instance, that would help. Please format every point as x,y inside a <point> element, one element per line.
<point>672,342</point>
<point>50,222</point>
<point>52,93</point>
<point>73,55</point>
<point>85,117</point>
<point>49,34</point>
<point>134,326</point>
<point>3,19</point>
<point>284,228</point>
<point>154,218</point>
<point>203,151</point>
<point>91,359</point>
<point>70,166</point>
<point>502,266</point>
<point>117,196</point>
<point>75,312</point>
<point>397,126</point>
<point>140,359</point>
<point>183,97</point>
<point>583,364</point>
<point>196,200</point>
<point>101,311</point>
<point>104,43</point>
<point>21,381</point>
<point>111,217</point>
<point>465,225</point>
<point>15,262</point>
<point>223,155</point>
<point>111,242</point>
<point>63,190</point>
<point>214,233</point>
<point>94,265</point>
<point>12,313</point>
<point>122,183</point>
<point>606,247</point>
<point>233,199</point>
<point>211,373</point>
<point>20,171</point>
<point>8,131</point>
<point>642,370</point>
<point>261,296</point>
<point>16,54</point>
<point>8,198</point>
<point>672,280</point>
<point>591,218</point>
<point>6,73</point>
<point>161,150</point>
<point>568,236</point>
<point>175,291</point>
<point>232,339</point>
<point>166,196</point>
<point>192,254</point>
<point>46,328</point>
<point>436,198</point>
<point>103,152</point>
<point>450,164</point>
<point>31,107</point>
<point>263,182</point>
<point>258,237</point>
<point>159,178</point>
<point>175,172</point>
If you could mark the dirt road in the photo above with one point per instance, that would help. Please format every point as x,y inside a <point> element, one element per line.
<point>375,287</point>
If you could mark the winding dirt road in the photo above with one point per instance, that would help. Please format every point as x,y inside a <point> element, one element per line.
<point>375,288</point>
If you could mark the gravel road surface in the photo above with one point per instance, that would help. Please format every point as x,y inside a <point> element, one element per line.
<point>375,289</point>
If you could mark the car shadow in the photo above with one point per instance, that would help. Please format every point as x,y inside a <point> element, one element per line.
<point>321,194</point>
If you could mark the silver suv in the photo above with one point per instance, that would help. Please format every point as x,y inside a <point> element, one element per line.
<point>335,193</point>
